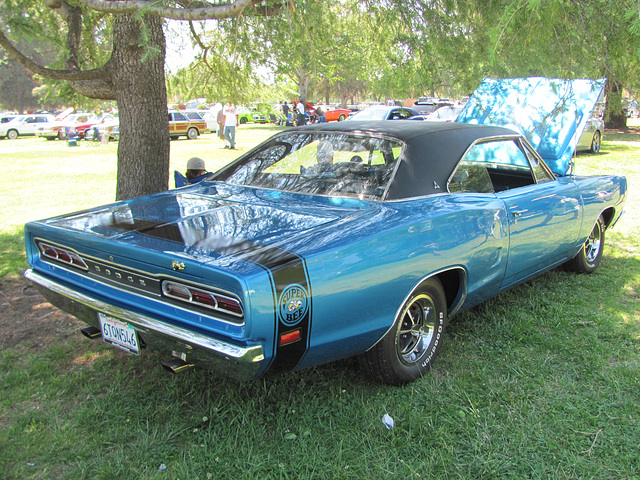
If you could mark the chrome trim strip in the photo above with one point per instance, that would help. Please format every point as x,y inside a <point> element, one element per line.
<point>244,355</point>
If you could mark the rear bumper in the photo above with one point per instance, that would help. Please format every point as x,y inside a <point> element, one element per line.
<point>240,363</point>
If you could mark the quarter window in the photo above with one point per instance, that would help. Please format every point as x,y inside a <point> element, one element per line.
<point>493,167</point>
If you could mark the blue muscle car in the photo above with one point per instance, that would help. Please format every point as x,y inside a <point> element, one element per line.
<point>323,242</point>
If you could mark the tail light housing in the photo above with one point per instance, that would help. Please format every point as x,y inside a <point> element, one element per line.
<point>62,255</point>
<point>197,296</point>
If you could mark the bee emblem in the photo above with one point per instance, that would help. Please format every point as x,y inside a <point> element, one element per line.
<point>177,266</point>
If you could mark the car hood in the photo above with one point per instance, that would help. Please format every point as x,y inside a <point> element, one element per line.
<point>550,113</point>
<point>207,222</point>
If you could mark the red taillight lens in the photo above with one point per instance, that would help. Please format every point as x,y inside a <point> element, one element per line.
<point>62,255</point>
<point>229,304</point>
<point>203,298</point>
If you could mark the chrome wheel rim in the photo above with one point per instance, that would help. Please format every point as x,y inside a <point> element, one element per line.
<point>596,143</point>
<point>416,329</point>
<point>593,244</point>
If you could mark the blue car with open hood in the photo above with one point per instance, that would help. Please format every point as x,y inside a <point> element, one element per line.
<point>324,242</point>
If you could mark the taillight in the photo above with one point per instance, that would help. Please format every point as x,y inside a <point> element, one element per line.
<point>202,298</point>
<point>62,255</point>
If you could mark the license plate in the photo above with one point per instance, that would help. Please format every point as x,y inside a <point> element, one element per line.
<point>119,334</point>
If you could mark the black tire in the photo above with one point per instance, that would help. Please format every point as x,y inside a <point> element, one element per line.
<point>595,142</point>
<point>409,348</point>
<point>590,254</point>
<point>61,135</point>
<point>243,120</point>
<point>12,134</point>
<point>341,117</point>
<point>192,133</point>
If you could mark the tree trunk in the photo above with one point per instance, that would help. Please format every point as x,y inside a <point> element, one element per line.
<point>141,95</point>
<point>615,117</point>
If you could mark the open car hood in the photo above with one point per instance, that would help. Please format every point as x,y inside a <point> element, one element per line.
<point>550,113</point>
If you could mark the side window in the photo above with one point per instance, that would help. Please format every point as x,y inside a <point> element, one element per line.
<point>470,177</point>
<point>506,164</point>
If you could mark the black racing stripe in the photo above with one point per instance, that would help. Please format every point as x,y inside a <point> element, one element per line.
<point>291,287</point>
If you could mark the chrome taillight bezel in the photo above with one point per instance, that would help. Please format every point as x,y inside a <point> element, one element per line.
<point>63,255</point>
<point>203,298</point>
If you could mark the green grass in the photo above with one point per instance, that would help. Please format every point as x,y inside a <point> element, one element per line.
<point>541,382</point>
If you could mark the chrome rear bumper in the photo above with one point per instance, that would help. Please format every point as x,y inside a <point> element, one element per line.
<point>241,363</point>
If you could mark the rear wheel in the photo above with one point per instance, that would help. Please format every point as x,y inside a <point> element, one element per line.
<point>12,134</point>
<point>408,349</point>
<point>595,142</point>
<point>192,133</point>
<point>590,255</point>
<point>341,117</point>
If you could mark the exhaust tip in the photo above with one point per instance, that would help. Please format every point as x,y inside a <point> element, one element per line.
<point>177,366</point>
<point>91,332</point>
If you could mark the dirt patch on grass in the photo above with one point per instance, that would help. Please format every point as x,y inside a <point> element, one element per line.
<point>27,320</point>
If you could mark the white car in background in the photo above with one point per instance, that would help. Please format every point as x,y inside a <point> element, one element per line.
<point>24,125</point>
<point>206,115</point>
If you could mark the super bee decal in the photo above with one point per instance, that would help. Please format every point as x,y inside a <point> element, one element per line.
<point>293,305</point>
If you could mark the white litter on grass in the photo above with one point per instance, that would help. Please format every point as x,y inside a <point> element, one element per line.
<point>162,467</point>
<point>388,422</point>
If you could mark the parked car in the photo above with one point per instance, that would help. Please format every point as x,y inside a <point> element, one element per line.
<point>446,113</point>
<point>631,108</point>
<point>252,114</point>
<point>22,125</point>
<point>81,125</point>
<point>592,135</point>
<point>324,242</point>
<point>7,117</point>
<point>336,114</point>
<point>383,112</point>
<point>66,126</point>
<point>206,115</point>
<point>180,125</point>
<point>107,131</point>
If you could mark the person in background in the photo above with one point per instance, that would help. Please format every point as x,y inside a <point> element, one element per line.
<point>220,120</point>
<point>285,109</point>
<point>195,168</point>
<point>231,121</point>
<point>320,117</point>
<point>300,108</point>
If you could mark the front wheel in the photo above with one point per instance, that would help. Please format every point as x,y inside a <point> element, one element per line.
<point>341,117</point>
<point>595,142</point>
<point>12,134</point>
<point>408,349</point>
<point>590,254</point>
<point>192,133</point>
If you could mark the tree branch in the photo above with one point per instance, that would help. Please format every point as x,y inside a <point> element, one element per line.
<point>101,73</point>
<point>201,13</point>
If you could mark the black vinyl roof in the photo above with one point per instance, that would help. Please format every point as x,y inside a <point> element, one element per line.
<point>433,149</point>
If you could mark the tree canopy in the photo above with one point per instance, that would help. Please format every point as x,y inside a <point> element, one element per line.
<point>336,50</point>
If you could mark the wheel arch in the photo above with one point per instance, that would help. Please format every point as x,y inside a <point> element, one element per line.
<point>608,215</point>
<point>454,283</point>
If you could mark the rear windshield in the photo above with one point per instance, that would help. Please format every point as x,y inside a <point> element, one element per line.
<point>333,164</point>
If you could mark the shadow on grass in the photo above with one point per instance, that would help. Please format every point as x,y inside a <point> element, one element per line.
<point>13,260</point>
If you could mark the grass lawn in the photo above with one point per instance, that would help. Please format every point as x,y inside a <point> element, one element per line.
<point>541,382</point>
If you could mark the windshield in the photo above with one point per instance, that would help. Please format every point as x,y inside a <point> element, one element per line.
<point>371,113</point>
<point>334,164</point>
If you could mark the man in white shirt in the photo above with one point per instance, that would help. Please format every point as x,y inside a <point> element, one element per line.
<point>300,108</point>
<point>230,124</point>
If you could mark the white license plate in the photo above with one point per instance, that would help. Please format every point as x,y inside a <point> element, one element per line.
<point>119,333</point>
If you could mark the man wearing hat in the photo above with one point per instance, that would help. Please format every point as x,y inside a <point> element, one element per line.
<point>195,169</point>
